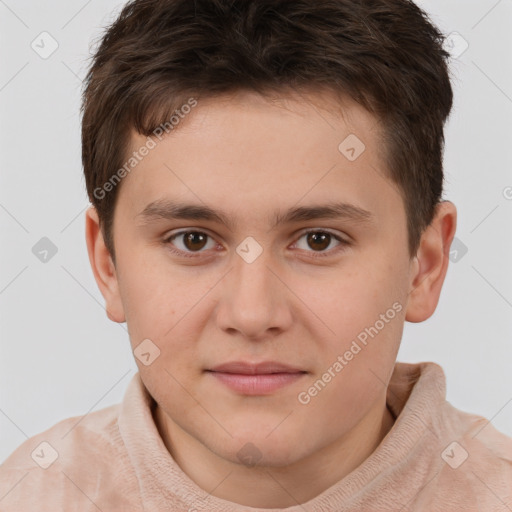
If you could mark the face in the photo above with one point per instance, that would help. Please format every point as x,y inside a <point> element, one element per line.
<point>274,277</point>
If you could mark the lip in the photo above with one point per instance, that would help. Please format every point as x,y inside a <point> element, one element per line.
<point>246,368</point>
<point>256,378</point>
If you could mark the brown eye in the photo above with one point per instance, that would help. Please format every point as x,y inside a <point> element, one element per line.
<point>190,242</point>
<point>194,240</point>
<point>319,241</point>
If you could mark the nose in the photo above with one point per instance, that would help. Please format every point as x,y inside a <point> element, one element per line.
<point>255,302</point>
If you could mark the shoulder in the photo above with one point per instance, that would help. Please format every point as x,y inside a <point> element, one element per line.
<point>479,436</point>
<point>80,462</point>
<point>476,460</point>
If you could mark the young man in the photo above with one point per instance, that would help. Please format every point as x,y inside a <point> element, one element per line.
<point>266,180</point>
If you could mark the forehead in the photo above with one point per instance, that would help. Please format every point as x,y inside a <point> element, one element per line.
<point>243,149</point>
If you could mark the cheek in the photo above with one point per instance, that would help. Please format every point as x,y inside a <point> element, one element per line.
<point>349,301</point>
<point>354,372</point>
<point>166,309</point>
<point>156,296</point>
<point>364,310</point>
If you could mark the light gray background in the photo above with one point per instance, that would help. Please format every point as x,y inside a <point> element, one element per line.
<point>60,356</point>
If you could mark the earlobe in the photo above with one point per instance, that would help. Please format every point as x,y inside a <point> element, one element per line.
<point>431,263</point>
<point>102,266</point>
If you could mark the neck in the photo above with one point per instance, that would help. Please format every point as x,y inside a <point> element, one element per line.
<point>275,487</point>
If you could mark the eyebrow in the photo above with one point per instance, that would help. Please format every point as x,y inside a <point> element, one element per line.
<point>166,209</point>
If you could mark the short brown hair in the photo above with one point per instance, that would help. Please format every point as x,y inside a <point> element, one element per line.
<point>385,54</point>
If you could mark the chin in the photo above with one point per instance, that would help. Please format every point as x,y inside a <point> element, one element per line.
<point>262,450</point>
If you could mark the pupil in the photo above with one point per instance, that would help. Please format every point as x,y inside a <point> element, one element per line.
<point>324,237</point>
<point>192,238</point>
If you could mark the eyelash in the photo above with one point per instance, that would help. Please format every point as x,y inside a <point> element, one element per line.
<point>341,247</point>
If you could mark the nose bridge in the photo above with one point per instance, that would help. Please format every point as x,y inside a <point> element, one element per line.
<point>252,279</point>
<point>253,302</point>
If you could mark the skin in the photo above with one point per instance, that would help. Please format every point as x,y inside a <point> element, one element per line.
<point>248,156</point>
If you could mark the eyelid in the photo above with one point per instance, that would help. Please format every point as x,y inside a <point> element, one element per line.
<point>188,254</point>
<point>343,243</point>
<point>342,237</point>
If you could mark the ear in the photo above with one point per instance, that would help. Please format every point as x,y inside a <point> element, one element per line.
<point>431,263</point>
<point>102,266</point>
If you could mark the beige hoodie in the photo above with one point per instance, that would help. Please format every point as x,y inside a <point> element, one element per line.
<point>435,458</point>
